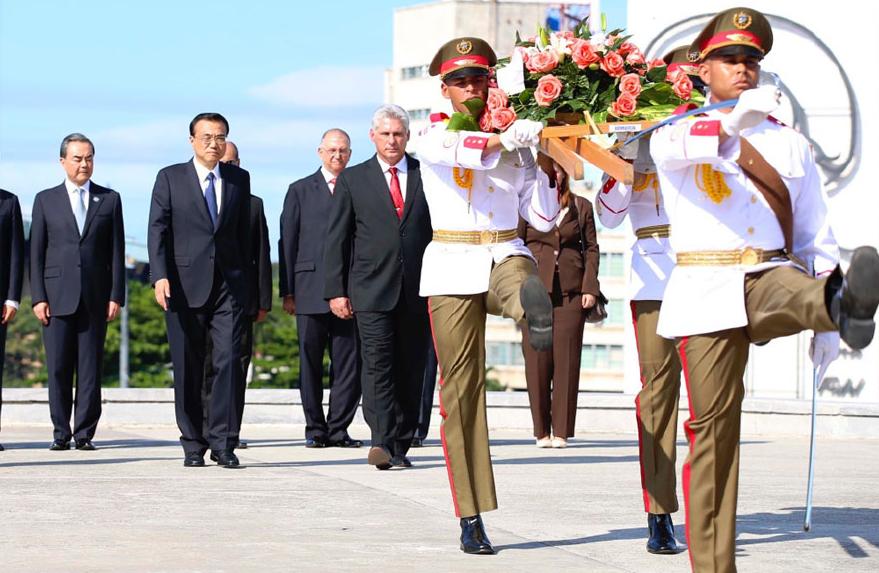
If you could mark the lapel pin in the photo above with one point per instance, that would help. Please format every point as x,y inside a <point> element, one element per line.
<point>95,199</point>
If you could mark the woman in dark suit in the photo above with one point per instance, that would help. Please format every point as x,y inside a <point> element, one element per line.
<point>567,262</point>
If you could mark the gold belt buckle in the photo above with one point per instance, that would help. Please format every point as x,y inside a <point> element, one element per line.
<point>485,237</point>
<point>750,256</point>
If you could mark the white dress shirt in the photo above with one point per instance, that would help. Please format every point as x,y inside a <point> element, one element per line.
<point>329,178</point>
<point>73,196</point>
<point>402,171</point>
<point>202,172</point>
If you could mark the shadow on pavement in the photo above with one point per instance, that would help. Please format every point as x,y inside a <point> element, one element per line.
<point>86,462</point>
<point>612,535</point>
<point>841,524</point>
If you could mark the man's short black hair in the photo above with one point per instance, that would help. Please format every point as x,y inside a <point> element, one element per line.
<point>208,116</point>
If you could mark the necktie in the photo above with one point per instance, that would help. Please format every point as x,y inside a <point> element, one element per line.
<point>79,211</point>
<point>210,197</point>
<point>332,185</point>
<point>396,195</point>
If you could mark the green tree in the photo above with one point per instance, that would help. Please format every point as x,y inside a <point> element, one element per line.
<point>25,363</point>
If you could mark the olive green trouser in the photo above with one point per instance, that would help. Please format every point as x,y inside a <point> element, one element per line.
<point>779,302</point>
<point>656,409</point>
<point>458,324</point>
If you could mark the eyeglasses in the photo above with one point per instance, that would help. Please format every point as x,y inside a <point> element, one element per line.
<point>207,139</point>
<point>335,151</point>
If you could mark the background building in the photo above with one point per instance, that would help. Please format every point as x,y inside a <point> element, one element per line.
<point>811,43</point>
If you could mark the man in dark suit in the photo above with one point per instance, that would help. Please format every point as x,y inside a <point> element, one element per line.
<point>77,272</point>
<point>199,248</point>
<point>302,280</point>
<point>260,288</point>
<point>11,269</point>
<point>377,236</point>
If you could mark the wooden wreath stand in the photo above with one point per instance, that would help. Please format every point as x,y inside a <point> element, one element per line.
<point>569,146</point>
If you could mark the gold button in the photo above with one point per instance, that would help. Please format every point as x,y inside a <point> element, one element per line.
<point>750,230</point>
<point>490,189</point>
<point>490,215</point>
<point>750,162</point>
<point>753,198</point>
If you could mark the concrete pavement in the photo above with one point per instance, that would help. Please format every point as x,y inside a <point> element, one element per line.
<point>132,506</point>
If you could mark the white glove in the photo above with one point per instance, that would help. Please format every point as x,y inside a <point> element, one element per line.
<point>522,133</point>
<point>753,107</point>
<point>823,350</point>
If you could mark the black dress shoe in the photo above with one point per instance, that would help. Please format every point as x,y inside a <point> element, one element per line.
<point>241,445</point>
<point>58,445</point>
<point>401,462</point>
<point>346,442</point>
<point>316,442</point>
<point>417,443</point>
<point>853,304</point>
<point>473,538</point>
<point>538,312</point>
<point>85,445</point>
<point>379,457</point>
<point>662,535</point>
<point>193,460</point>
<point>225,458</point>
<point>2,448</point>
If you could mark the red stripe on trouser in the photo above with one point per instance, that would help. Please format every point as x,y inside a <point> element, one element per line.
<point>691,438</point>
<point>443,415</point>
<point>638,422</point>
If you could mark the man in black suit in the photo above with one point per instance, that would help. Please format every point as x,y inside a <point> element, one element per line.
<point>302,280</point>
<point>77,272</point>
<point>377,236</point>
<point>11,269</point>
<point>199,248</point>
<point>261,290</point>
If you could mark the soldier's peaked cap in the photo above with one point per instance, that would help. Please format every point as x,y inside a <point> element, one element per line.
<point>463,56</point>
<point>734,31</point>
<point>676,59</point>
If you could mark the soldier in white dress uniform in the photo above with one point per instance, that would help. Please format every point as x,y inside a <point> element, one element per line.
<point>756,260</point>
<point>477,185</point>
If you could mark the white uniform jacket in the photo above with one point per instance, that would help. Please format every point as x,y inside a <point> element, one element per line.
<point>703,299</point>
<point>503,185</point>
<point>652,257</point>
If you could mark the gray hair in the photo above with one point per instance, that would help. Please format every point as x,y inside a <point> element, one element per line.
<point>333,130</point>
<point>75,137</point>
<point>390,111</point>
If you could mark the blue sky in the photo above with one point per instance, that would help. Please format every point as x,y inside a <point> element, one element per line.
<point>131,75</point>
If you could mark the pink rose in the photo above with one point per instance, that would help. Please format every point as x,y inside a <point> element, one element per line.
<point>673,73</point>
<point>583,54</point>
<point>683,86</point>
<point>501,118</point>
<point>635,58</point>
<point>566,34</point>
<point>655,63</point>
<point>630,84</point>
<point>627,47</point>
<point>613,64</point>
<point>485,121</point>
<point>624,106</point>
<point>496,99</point>
<point>549,88</point>
<point>542,62</point>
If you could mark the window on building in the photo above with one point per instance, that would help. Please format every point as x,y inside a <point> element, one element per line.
<point>601,357</point>
<point>615,311</point>
<point>610,264</point>
<point>504,354</point>
<point>414,72</point>
<point>419,114</point>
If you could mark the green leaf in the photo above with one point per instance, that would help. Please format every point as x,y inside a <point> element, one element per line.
<point>474,106</point>
<point>462,122</point>
<point>657,74</point>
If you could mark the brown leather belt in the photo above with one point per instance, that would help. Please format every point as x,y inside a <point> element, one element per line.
<point>654,231</point>
<point>475,237</point>
<point>747,256</point>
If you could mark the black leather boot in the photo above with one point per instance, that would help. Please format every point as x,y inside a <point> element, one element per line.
<point>853,300</point>
<point>662,535</point>
<point>538,312</point>
<point>473,537</point>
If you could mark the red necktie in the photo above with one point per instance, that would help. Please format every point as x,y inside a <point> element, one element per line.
<point>396,196</point>
<point>332,185</point>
